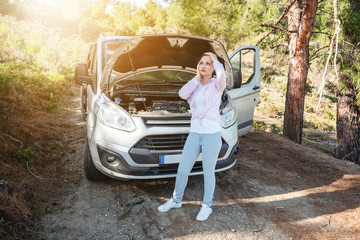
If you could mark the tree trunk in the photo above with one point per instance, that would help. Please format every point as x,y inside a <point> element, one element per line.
<point>347,120</point>
<point>301,19</point>
<point>347,126</point>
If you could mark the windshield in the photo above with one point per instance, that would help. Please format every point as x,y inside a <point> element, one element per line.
<point>111,48</point>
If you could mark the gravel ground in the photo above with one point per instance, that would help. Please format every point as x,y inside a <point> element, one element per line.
<point>276,190</point>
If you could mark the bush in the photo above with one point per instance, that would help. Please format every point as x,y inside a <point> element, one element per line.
<point>36,60</point>
<point>25,156</point>
<point>259,125</point>
<point>15,77</point>
<point>275,129</point>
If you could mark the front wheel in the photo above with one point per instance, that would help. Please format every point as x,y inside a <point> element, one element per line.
<point>91,172</point>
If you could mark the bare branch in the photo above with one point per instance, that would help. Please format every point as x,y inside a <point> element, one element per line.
<point>337,32</point>
<point>27,166</point>
<point>265,36</point>
<point>335,36</point>
<point>328,34</point>
<point>284,44</point>
<point>275,27</point>
<point>336,51</point>
<point>276,22</point>
<point>324,75</point>
<point>284,13</point>
<point>313,56</point>
<point>21,144</point>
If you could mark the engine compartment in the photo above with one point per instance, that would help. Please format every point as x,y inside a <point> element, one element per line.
<point>153,98</point>
<point>146,103</point>
<point>149,98</point>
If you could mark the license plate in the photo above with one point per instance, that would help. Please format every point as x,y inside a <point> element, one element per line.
<point>173,159</point>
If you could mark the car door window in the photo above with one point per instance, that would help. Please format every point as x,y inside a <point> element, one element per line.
<point>243,64</point>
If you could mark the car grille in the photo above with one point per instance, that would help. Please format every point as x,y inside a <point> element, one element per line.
<point>178,120</point>
<point>162,142</point>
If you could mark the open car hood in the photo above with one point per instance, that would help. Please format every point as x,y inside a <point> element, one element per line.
<point>160,52</point>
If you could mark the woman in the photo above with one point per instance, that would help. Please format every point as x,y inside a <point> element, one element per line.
<point>203,93</point>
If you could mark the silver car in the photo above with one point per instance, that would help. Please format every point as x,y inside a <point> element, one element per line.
<point>136,122</point>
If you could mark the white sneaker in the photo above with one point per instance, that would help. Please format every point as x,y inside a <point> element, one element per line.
<point>169,205</point>
<point>204,213</point>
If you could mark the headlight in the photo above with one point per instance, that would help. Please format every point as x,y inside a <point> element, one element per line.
<point>113,116</point>
<point>228,115</point>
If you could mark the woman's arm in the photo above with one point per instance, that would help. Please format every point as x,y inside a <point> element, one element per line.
<point>186,90</point>
<point>220,82</point>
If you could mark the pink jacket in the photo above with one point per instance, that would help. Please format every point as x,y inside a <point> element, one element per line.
<point>213,92</point>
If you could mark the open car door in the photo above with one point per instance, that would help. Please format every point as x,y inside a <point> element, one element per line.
<point>245,94</point>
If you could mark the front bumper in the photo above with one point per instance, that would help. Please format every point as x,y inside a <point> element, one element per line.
<point>136,155</point>
<point>119,168</point>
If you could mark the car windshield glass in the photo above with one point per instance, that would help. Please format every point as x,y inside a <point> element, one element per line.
<point>111,48</point>
<point>165,75</point>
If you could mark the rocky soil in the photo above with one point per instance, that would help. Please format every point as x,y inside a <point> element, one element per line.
<point>276,190</point>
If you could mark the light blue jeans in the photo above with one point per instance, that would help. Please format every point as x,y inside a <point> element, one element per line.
<point>209,145</point>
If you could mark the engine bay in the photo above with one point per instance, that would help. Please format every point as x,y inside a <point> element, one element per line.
<point>153,98</point>
<point>149,98</point>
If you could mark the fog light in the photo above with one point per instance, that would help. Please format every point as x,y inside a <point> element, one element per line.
<point>110,158</point>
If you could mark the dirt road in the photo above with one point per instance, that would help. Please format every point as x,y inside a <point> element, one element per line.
<point>276,190</point>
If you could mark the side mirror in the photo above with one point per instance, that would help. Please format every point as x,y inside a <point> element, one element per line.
<point>81,74</point>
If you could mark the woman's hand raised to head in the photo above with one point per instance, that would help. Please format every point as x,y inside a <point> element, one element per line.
<point>212,56</point>
<point>198,75</point>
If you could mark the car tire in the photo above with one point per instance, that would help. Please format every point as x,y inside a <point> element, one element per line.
<point>83,102</point>
<point>91,172</point>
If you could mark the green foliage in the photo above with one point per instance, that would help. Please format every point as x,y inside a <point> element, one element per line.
<point>215,19</point>
<point>228,21</point>
<point>48,57</point>
<point>36,44</point>
<point>36,59</point>
<point>351,20</point>
<point>25,156</point>
<point>330,115</point>
<point>332,98</point>
<point>259,125</point>
<point>274,129</point>
<point>268,74</point>
<point>275,109</point>
<point>263,126</point>
<point>283,87</point>
<point>349,51</point>
<point>323,123</point>
<point>15,77</point>
<point>51,106</point>
<point>309,108</point>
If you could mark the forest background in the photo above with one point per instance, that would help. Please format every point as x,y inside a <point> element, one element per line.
<point>42,40</point>
<point>48,37</point>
